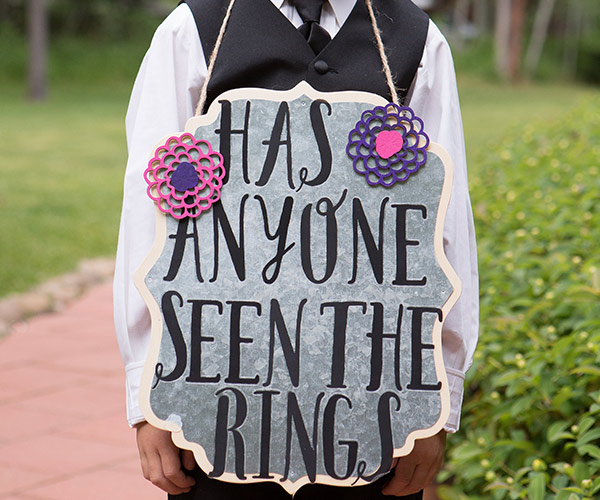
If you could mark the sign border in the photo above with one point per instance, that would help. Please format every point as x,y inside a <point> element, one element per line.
<point>303,88</point>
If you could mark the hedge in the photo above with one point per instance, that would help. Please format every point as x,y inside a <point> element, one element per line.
<point>530,425</point>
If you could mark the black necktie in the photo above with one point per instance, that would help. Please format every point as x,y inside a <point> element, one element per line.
<point>315,34</point>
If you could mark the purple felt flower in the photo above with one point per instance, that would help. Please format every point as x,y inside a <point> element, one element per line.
<point>388,144</point>
<point>185,176</point>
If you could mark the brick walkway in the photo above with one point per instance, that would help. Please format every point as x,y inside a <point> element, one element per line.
<point>63,434</point>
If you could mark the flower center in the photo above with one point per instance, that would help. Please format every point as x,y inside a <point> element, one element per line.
<point>388,143</point>
<point>185,177</point>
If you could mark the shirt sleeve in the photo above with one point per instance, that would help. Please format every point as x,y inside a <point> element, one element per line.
<point>434,97</point>
<point>163,99</point>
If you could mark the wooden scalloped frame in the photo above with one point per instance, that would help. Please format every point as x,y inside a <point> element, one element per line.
<point>303,88</point>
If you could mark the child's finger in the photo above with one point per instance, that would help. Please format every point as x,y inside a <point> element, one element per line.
<point>160,459</point>
<point>173,471</point>
<point>187,460</point>
<point>157,477</point>
<point>418,480</point>
<point>403,474</point>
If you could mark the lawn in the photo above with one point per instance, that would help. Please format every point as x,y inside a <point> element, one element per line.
<point>62,177</point>
<point>492,111</point>
<point>64,158</point>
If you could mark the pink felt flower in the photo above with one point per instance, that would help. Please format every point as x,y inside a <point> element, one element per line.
<point>185,176</point>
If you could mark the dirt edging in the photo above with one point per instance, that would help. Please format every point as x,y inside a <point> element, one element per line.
<point>54,294</point>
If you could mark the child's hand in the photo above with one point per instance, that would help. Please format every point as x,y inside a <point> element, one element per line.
<point>162,461</point>
<point>417,470</point>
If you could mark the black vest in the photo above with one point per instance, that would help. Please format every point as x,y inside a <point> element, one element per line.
<point>261,48</point>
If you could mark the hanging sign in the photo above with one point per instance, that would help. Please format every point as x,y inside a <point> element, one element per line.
<point>297,287</point>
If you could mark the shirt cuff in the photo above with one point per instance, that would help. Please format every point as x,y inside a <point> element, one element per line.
<point>133,375</point>
<point>456,382</point>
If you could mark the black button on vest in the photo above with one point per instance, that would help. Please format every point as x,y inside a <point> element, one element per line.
<point>261,48</point>
<point>321,67</point>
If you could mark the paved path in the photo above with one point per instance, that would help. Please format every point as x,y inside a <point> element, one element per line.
<point>63,434</point>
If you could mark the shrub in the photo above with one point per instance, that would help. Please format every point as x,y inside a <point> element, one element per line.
<point>530,425</point>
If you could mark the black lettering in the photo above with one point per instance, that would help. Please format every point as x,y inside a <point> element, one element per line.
<point>280,235</point>
<point>377,336</point>
<point>316,120</point>
<point>386,437</point>
<point>265,434</point>
<point>236,249</point>
<point>290,354</point>
<point>402,243</point>
<point>275,143</point>
<point>340,325</point>
<point>223,430</point>
<point>197,339</point>
<point>236,340</point>
<point>417,347</point>
<point>177,339</point>
<point>326,209</point>
<point>374,251</point>
<point>181,238</point>
<point>329,437</point>
<point>307,447</point>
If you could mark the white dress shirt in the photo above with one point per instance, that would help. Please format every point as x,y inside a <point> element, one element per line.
<point>164,97</point>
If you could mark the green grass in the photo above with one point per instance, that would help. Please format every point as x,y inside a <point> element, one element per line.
<point>492,110</point>
<point>61,188</point>
<point>64,159</point>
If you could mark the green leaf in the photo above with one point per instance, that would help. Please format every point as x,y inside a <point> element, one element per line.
<point>450,493</point>
<point>444,475</point>
<point>585,423</point>
<point>560,481</point>
<point>519,445</point>
<point>581,471</point>
<point>566,495</point>
<point>589,449</point>
<point>555,429</point>
<point>521,472</point>
<point>588,369</point>
<point>497,485</point>
<point>588,436</point>
<point>507,377</point>
<point>537,486</point>
<point>574,489</point>
<point>466,452</point>
<point>563,435</point>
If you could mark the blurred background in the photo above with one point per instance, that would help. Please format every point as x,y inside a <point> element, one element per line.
<point>528,74</point>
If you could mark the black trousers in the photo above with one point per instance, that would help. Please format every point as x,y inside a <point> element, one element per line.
<point>212,489</point>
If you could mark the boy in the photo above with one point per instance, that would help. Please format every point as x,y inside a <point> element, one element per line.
<point>165,96</point>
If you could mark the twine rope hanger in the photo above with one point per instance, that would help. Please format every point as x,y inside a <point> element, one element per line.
<point>376,31</point>
<point>213,58</point>
<point>384,60</point>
